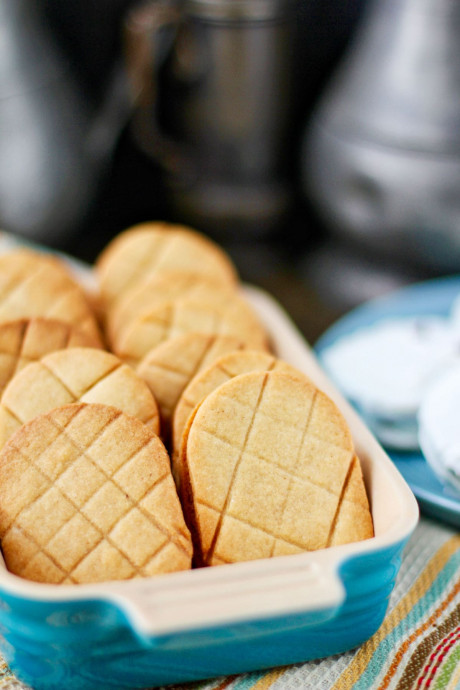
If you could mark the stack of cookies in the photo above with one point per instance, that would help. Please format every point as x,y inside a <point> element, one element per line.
<point>152,429</point>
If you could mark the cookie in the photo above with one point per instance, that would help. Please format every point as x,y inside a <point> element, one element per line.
<point>86,495</point>
<point>267,464</point>
<point>35,284</point>
<point>75,375</point>
<point>160,288</point>
<point>227,314</point>
<point>169,367</point>
<point>26,340</point>
<point>147,248</point>
<point>208,379</point>
<point>354,516</point>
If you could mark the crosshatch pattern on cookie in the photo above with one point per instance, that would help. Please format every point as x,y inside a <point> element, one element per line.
<point>279,481</point>
<point>72,375</point>
<point>222,370</point>
<point>81,517</point>
<point>168,368</point>
<point>235,318</point>
<point>165,286</point>
<point>34,284</point>
<point>23,341</point>
<point>149,248</point>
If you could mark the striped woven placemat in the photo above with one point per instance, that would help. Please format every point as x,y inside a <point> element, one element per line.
<point>416,647</point>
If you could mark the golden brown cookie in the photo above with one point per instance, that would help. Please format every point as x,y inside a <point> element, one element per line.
<point>208,379</point>
<point>86,495</point>
<point>156,290</point>
<point>354,516</point>
<point>227,314</point>
<point>169,367</point>
<point>147,248</point>
<point>75,375</point>
<point>26,340</point>
<point>267,463</point>
<point>36,284</point>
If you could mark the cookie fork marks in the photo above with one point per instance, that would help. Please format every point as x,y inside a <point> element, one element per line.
<point>210,553</point>
<point>265,465</point>
<point>96,510</point>
<point>340,501</point>
<point>291,478</point>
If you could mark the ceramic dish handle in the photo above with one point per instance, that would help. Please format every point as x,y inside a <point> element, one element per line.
<point>237,594</point>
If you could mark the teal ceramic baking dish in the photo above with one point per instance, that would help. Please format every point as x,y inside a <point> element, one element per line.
<point>209,622</point>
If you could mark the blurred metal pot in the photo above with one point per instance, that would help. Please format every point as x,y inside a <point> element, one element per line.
<point>217,119</point>
<point>381,155</point>
<point>53,148</point>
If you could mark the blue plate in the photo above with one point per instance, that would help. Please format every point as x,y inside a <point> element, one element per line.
<point>433,297</point>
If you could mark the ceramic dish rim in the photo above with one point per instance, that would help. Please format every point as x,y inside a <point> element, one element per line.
<point>117,593</point>
<point>332,558</point>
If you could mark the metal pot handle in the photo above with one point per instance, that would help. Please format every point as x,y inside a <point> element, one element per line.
<point>144,53</point>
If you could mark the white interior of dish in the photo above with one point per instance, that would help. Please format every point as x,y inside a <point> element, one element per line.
<point>259,588</point>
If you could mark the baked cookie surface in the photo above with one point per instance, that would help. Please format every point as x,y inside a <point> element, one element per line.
<point>75,375</point>
<point>267,463</point>
<point>168,368</point>
<point>148,248</point>
<point>86,495</point>
<point>161,287</point>
<point>27,340</point>
<point>35,284</point>
<point>223,315</point>
<point>208,379</point>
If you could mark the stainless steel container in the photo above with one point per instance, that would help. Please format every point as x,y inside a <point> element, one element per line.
<point>381,157</point>
<point>218,121</point>
<point>53,146</point>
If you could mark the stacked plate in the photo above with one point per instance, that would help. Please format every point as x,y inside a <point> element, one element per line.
<point>385,369</point>
<point>439,426</point>
<point>397,359</point>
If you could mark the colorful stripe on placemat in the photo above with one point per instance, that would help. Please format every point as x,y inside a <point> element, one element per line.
<point>417,646</point>
<point>7,680</point>
<point>397,654</point>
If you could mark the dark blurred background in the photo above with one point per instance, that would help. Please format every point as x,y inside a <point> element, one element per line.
<point>136,169</point>
<point>89,34</point>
